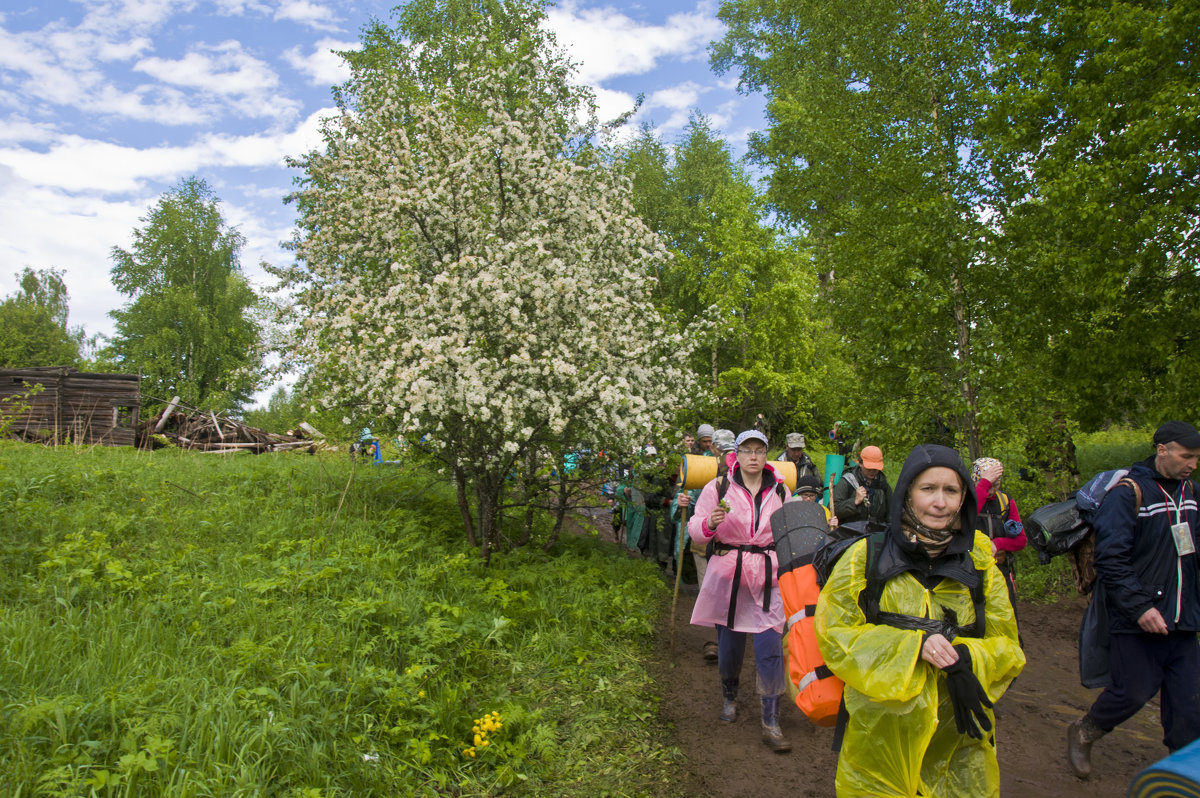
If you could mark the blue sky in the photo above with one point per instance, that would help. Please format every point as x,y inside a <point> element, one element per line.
<point>106,105</point>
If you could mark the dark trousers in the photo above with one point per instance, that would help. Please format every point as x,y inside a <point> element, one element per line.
<point>768,660</point>
<point>1144,664</point>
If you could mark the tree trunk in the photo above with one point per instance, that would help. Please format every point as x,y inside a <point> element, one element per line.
<point>560,513</point>
<point>487,494</point>
<point>974,448</point>
<point>464,506</point>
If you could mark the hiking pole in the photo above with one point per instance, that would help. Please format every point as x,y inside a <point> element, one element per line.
<point>678,569</point>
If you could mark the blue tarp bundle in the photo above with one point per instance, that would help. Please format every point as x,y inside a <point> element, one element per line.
<point>1176,776</point>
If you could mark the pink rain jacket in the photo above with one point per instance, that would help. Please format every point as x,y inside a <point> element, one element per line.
<point>759,571</point>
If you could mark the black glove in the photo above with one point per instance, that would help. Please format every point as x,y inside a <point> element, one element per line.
<point>967,696</point>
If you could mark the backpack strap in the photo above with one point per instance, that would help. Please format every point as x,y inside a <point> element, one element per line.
<point>873,592</point>
<point>1137,491</point>
<point>853,480</point>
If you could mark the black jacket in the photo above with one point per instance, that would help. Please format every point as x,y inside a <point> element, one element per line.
<point>1135,552</point>
<point>879,495</point>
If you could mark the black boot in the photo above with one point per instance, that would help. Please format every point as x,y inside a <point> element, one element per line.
<point>772,735</point>
<point>1080,736</point>
<point>729,691</point>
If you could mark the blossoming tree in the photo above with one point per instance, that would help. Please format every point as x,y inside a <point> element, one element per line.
<point>469,272</point>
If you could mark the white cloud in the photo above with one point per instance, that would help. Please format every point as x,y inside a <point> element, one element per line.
<point>611,104</point>
<point>77,164</point>
<point>313,15</point>
<point>35,218</point>
<point>224,76</point>
<point>16,129</point>
<point>681,97</point>
<point>321,65</point>
<point>607,43</point>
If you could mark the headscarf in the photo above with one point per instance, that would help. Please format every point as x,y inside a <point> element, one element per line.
<point>911,534</point>
<point>979,465</point>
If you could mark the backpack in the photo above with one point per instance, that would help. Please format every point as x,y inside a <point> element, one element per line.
<point>1066,527</point>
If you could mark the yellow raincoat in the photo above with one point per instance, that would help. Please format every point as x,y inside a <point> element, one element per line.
<point>901,738</point>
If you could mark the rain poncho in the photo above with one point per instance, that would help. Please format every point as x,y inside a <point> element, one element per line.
<point>743,525</point>
<point>901,737</point>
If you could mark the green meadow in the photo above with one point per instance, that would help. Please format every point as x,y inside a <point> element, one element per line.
<point>291,625</point>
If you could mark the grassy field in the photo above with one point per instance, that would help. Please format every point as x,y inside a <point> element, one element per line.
<point>176,624</point>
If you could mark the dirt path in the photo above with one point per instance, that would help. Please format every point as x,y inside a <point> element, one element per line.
<point>1031,722</point>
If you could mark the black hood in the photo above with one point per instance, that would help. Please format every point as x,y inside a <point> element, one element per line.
<point>922,457</point>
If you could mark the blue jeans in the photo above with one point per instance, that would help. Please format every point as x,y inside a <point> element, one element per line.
<point>768,660</point>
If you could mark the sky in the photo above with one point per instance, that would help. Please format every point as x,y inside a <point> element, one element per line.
<point>106,105</point>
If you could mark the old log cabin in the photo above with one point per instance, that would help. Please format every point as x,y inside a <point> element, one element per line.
<point>73,406</point>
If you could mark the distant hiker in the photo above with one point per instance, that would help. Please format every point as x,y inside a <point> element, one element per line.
<point>863,493</point>
<point>703,443</point>
<point>688,443</point>
<point>794,451</point>
<point>837,437</point>
<point>740,594</point>
<point>916,620</point>
<point>1146,568</point>
<point>998,518</point>
<point>809,489</point>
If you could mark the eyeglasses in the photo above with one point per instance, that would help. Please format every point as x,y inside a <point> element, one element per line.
<point>753,452</point>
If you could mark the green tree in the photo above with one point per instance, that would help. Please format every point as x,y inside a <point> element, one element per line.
<point>1095,142</point>
<point>46,288</point>
<point>33,323</point>
<point>872,151</point>
<point>744,288</point>
<point>190,327</point>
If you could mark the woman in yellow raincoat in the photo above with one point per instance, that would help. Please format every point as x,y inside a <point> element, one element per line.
<point>921,680</point>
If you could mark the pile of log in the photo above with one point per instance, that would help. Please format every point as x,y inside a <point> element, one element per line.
<point>206,431</point>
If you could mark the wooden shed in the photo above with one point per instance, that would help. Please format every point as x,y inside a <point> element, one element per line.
<point>74,406</point>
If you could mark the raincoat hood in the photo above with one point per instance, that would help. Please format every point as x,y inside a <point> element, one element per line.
<point>922,458</point>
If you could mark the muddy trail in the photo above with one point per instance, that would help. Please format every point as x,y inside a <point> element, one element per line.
<point>731,760</point>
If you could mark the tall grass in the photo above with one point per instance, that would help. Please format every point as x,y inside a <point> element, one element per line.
<point>284,625</point>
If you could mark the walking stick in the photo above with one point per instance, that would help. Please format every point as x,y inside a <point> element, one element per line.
<point>678,569</point>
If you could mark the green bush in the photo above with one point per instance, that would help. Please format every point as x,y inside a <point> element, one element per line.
<point>1112,448</point>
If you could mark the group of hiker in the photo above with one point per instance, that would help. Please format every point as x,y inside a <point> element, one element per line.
<point>917,614</point>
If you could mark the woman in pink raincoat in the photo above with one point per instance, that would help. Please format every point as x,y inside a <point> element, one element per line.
<point>740,594</point>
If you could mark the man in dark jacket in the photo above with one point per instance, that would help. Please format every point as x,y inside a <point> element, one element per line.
<point>863,493</point>
<point>1146,563</point>
<point>795,452</point>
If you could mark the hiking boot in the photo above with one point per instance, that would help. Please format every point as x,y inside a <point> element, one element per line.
<point>772,735</point>
<point>729,710</point>
<point>1080,736</point>
<point>710,651</point>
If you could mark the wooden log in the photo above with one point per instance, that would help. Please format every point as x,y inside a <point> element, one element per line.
<point>162,422</point>
<point>311,430</point>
